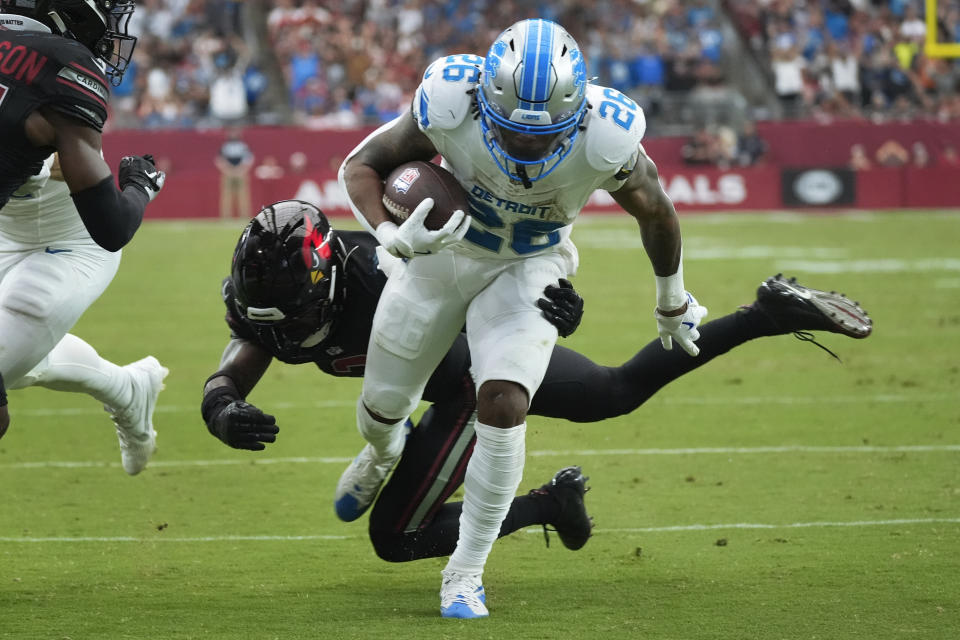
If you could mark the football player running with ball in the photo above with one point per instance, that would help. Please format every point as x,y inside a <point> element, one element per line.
<point>301,292</point>
<point>529,139</point>
<point>56,60</point>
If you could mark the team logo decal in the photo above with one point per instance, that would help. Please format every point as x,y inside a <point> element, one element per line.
<point>406,179</point>
<point>579,71</point>
<point>494,59</point>
<point>316,251</point>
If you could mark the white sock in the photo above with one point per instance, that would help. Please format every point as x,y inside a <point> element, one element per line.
<point>73,365</point>
<point>492,478</point>
<point>387,439</point>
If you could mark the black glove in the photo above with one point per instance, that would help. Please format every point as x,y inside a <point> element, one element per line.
<point>243,426</point>
<point>562,306</point>
<point>141,172</point>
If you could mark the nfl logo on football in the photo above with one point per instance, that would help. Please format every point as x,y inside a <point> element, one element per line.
<point>406,179</point>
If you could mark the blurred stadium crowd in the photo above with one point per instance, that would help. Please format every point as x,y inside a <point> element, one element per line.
<point>691,64</point>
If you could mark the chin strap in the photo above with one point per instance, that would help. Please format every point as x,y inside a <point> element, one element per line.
<point>522,172</point>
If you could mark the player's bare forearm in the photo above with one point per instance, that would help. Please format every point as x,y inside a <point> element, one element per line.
<point>78,148</point>
<point>364,172</point>
<point>241,367</point>
<point>365,189</point>
<point>644,199</point>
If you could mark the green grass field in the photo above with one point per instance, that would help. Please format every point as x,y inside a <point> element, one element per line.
<point>773,494</point>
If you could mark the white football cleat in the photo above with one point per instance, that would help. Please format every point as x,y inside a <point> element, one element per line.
<point>134,423</point>
<point>462,596</point>
<point>360,483</point>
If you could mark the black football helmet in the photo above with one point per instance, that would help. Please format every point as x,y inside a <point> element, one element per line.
<point>288,279</point>
<point>100,25</point>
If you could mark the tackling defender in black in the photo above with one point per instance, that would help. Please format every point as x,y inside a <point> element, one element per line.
<point>53,97</point>
<point>302,292</point>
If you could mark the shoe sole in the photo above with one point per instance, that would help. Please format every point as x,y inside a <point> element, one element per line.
<point>846,316</point>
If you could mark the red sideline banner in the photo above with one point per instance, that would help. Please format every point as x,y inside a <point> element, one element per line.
<point>197,194</point>
<point>193,185</point>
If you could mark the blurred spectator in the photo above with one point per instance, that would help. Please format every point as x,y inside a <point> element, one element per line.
<point>845,72</point>
<point>269,169</point>
<point>234,162</point>
<point>921,157</point>
<point>298,163</point>
<point>912,26</point>
<point>892,154</point>
<point>949,156</point>
<point>726,146</point>
<point>751,148</point>
<point>228,97</point>
<point>859,160</point>
<point>702,149</point>
<point>788,66</point>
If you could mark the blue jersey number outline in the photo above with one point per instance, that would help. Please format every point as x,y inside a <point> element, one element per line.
<point>622,109</point>
<point>462,66</point>
<point>522,233</point>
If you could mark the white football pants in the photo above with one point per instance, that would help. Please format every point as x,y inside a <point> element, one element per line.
<point>425,305</point>
<point>50,273</point>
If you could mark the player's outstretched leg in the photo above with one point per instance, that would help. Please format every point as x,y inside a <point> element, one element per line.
<point>571,523</point>
<point>134,422</point>
<point>793,307</point>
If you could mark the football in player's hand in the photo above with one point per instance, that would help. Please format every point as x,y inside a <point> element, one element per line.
<point>410,183</point>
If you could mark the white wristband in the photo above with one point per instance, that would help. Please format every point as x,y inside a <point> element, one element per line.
<point>671,294</point>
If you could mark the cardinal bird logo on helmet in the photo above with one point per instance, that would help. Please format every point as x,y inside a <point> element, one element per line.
<point>316,250</point>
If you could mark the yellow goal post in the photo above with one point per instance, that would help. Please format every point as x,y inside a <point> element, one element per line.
<point>932,47</point>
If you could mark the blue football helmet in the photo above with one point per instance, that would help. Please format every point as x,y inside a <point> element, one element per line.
<point>532,98</point>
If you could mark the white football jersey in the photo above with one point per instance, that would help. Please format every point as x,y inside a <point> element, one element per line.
<point>510,220</point>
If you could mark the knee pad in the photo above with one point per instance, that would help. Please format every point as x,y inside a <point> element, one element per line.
<point>402,328</point>
<point>388,403</point>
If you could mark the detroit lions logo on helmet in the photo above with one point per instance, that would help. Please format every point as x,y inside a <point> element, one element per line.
<point>579,71</point>
<point>494,59</point>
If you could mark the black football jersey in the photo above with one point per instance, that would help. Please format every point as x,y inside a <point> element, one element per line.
<point>43,70</point>
<point>344,351</point>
